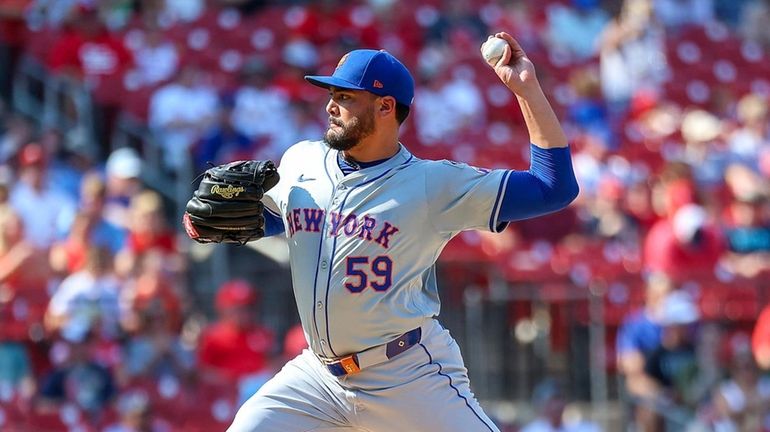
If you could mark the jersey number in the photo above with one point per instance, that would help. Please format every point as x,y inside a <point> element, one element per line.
<point>381,266</point>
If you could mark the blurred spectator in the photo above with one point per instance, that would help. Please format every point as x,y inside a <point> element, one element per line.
<point>76,377</point>
<point>258,98</point>
<point>754,132</point>
<point>664,377</point>
<point>24,276</point>
<point>180,112</point>
<point>674,365</point>
<point>93,195</point>
<point>148,232</point>
<point>235,346</point>
<point>99,232</point>
<point>632,54</point>
<point>152,290</point>
<point>673,189</point>
<point>69,255</point>
<point>137,415</point>
<point>588,111</point>
<point>755,22</point>
<point>444,109</point>
<point>88,298</point>
<point>155,350</point>
<point>155,55</point>
<point>747,225</point>
<point>223,142</point>
<point>35,202</point>
<point>638,205</point>
<point>574,30</point>
<point>638,338</point>
<point>551,404</point>
<point>88,51</point>
<point>122,172</point>
<point>742,402</point>
<point>684,245</point>
<point>704,148</point>
<point>681,13</point>
<point>22,271</point>
<point>606,217</point>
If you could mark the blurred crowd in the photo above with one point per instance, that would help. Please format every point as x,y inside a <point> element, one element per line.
<point>665,103</point>
<point>97,324</point>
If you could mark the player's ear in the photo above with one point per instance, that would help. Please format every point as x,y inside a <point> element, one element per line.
<point>386,106</point>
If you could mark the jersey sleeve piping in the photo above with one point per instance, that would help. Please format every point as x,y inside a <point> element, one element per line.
<point>494,222</point>
<point>272,212</point>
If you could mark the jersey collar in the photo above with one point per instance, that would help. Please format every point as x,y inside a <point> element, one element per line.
<point>364,174</point>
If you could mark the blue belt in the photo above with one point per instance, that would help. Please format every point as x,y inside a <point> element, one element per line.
<point>353,363</point>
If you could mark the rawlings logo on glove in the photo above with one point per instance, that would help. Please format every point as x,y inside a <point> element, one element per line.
<point>227,192</point>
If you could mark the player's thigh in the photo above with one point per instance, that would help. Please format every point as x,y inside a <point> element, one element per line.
<point>295,400</point>
<point>436,397</point>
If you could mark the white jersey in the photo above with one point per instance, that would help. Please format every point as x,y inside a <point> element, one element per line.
<point>363,246</point>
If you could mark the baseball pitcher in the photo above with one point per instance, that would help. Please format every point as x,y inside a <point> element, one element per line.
<point>365,222</point>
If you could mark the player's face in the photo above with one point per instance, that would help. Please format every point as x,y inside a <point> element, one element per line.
<point>351,118</point>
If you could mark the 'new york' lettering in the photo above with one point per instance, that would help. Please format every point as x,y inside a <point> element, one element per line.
<point>363,227</point>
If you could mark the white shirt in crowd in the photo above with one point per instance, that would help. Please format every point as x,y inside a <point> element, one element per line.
<point>154,63</point>
<point>443,112</point>
<point>575,32</point>
<point>178,116</point>
<point>261,112</point>
<point>39,210</point>
<point>82,298</point>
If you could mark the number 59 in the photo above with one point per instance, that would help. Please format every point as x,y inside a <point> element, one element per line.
<point>381,267</point>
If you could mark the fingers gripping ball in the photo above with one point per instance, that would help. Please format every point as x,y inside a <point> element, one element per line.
<point>227,206</point>
<point>493,49</point>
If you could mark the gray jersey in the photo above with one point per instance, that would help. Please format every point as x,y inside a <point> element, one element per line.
<point>363,246</point>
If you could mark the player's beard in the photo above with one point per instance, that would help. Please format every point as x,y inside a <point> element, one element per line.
<point>347,136</point>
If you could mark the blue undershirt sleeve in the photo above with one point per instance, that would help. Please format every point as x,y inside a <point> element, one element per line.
<point>273,223</point>
<point>548,186</point>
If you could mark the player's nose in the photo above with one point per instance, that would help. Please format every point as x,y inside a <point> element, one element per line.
<point>332,108</point>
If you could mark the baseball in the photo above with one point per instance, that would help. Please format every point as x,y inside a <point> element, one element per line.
<point>493,49</point>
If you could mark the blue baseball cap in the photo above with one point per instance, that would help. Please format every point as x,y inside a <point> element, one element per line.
<point>375,71</point>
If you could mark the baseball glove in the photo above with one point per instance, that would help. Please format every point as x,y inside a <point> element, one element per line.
<point>227,206</point>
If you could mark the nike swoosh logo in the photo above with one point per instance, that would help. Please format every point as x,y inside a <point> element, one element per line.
<point>302,178</point>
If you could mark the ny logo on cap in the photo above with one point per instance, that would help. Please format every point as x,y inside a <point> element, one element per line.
<point>378,84</point>
<point>342,60</point>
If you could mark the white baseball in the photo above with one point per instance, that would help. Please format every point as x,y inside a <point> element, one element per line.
<point>493,49</point>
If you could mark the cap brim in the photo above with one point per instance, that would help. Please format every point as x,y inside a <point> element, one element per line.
<point>330,81</point>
